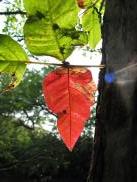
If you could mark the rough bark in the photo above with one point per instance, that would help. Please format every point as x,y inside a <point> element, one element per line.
<point>115,149</point>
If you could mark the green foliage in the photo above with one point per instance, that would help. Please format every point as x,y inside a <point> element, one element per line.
<point>63,13</point>
<point>91,24</point>
<point>50,29</point>
<point>88,3</point>
<point>12,57</point>
<point>46,39</point>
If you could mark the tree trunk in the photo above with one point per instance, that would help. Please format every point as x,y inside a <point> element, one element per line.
<point>115,149</point>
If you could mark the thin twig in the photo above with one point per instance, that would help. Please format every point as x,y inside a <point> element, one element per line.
<point>54,64</point>
<point>71,65</point>
<point>19,12</point>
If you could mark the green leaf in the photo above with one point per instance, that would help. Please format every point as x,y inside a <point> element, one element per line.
<point>12,58</point>
<point>61,12</point>
<point>91,24</point>
<point>50,28</point>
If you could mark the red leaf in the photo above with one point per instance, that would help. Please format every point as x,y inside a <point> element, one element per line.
<point>69,93</point>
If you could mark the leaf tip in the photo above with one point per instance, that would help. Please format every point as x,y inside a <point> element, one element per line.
<point>70,147</point>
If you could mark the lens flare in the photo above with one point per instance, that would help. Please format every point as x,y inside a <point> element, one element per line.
<point>110,77</point>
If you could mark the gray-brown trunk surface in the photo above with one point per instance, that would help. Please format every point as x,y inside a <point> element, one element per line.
<point>115,150</point>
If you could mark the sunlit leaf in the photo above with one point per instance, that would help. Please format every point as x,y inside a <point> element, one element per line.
<point>50,28</point>
<point>61,12</point>
<point>91,24</point>
<point>69,92</point>
<point>12,58</point>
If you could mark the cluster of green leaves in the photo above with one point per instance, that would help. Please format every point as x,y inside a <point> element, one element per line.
<point>51,29</point>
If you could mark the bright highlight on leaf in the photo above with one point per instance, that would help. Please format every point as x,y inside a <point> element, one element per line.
<point>12,58</point>
<point>69,92</point>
